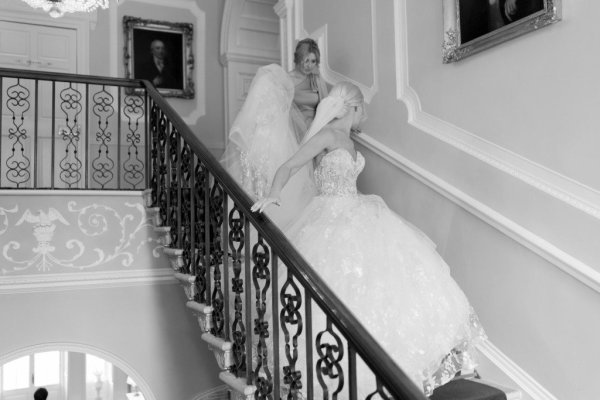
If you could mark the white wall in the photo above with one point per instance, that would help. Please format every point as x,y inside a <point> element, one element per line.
<point>494,158</point>
<point>145,330</point>
<point>92,277</point>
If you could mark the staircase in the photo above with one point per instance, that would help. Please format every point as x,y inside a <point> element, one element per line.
<point>253,295</point>
<point>465,387</point>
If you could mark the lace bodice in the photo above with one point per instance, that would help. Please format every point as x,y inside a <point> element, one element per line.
<point>337,172</point>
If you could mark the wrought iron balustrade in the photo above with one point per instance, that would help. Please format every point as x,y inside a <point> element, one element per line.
<point>62,131</point>
<point>265,299</point>
<point>291,336</point>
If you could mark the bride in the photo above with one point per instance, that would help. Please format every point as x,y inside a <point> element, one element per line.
<point>386,271</point>
<point>266,132</point>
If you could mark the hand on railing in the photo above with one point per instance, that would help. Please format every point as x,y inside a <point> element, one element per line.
<point>263,203</point>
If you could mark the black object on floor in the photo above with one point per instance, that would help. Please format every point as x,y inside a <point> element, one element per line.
<point>467,389</point>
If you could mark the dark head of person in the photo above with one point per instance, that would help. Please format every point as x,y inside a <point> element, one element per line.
<point>40,394</point>
<point>305,47</point>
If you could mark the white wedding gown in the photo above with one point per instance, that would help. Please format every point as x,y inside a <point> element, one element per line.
<point>262,138</point>
<point>385,270</point>
<point>389,275</point>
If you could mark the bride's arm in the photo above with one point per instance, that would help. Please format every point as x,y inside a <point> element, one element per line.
<point>304,155</point>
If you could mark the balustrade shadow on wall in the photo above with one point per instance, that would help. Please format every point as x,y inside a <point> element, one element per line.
<point>290,336</point>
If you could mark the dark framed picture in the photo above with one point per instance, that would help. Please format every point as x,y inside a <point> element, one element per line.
<point>471,26</point>
<point>160,52</point>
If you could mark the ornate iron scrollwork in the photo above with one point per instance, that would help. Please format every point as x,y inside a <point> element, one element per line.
<point>103,165</point>
<point>330,356</point>
<point>71,164</point>
<point>217,197</point>
<point>173,182</point>
<point>162,166</point>
<point>292,326</point>
<point>154,153</point>
<point>261,278</point>
<point>379,393</point>
<point>199,192</point>
<point>238,330</point>
<point>18,163</point>
<point>133,166</point>
<point>187,242</point>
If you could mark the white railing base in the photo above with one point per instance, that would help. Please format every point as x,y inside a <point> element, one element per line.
<point>239,389</point>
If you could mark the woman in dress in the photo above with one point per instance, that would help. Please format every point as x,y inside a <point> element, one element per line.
<point>386,271</point>
<point>269,126</point>
<point>309,86</point>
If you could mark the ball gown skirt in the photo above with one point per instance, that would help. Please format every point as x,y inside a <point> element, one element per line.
<point>388,274</point>
<point>386,271</point>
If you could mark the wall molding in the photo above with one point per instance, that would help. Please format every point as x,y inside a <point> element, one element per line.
<point>199,50</point>
<point>83,348</point>
<point>565,189</point>
<point>230,57</point>
<point>80,22</point>
<point>566,262</point>
<point>237,22</point>
<point>137,194</point>
<point>242,58</point>
<point>85,280</point>
<point>525,381</point>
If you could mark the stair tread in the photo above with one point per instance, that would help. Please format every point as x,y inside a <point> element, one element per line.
<point>473,389</point>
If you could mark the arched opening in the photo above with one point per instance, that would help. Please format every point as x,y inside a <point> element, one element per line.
<point>69,372</point>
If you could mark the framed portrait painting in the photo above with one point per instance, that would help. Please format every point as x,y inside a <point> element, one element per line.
<point>471,26</point>
<point>160,52</point>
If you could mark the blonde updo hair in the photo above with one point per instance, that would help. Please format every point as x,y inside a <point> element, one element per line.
<point>349,93</point>
<point>337,104</point>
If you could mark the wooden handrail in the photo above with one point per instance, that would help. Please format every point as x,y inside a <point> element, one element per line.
<point>61,77</point>
<point>390,375</point>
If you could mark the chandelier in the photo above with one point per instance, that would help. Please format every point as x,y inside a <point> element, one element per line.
<point>57,8</point>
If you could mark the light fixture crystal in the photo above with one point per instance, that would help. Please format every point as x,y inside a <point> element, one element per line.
<point>57,8</point>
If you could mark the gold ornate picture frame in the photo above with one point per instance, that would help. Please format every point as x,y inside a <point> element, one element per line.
<point>471,26</point>
<point>160,52</point>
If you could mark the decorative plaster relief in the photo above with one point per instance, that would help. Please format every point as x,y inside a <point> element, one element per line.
<point>76,237</point>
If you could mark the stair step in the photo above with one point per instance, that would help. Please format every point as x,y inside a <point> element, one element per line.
<point>147,196</point>
<point>175,257</point>
<point>222,349</point>
<point>164,235</point>
<point>474,389</point>
<point>154,214</point>
<point>188,282</point>
<point>238,387</point>
<point>204,314</point>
